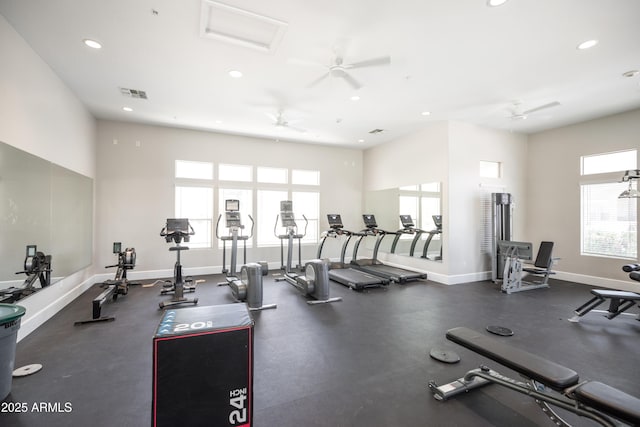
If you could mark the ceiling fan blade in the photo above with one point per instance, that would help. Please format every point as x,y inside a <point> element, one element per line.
<point>273,117</point>
<point>384,60</point>
<point>297,129</point>
<point>352,82</point>
<point>542,107</point>
<point>318,80</point>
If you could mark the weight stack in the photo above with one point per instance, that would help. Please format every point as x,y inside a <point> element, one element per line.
<point>203,367</point>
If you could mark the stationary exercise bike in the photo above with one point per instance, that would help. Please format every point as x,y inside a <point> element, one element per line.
<point>37,266</point>
<point>247,287</point>
<point>315,280</point>
<point>113,288</point>
<point>177,230</point>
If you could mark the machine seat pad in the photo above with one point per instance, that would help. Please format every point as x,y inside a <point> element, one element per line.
<point>534,367</point>
<point>609,400</point>
<point>538,270</point>
<point>607,293</point>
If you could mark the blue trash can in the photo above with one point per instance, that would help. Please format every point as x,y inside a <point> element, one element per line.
<point>9,324</point>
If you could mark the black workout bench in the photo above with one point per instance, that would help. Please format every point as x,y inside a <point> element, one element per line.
<point>591,399</point>
<point>619,302</point>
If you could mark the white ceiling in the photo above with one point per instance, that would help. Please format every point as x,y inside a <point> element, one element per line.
<point>460,60</point>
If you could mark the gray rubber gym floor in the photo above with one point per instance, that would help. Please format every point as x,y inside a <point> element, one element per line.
<point>363,361</point>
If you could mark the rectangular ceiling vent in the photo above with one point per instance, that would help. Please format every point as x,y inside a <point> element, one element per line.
<point>376,131</point>
<point>241,27</point>
<point>133,93</point>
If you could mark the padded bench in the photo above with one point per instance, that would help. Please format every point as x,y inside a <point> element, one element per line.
<point>619,302</point>
<point>589,399</point>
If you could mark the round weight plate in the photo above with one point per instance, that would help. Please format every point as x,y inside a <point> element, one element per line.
<point>446,356</point>
<point>500,330</point>
<point>23,371</point>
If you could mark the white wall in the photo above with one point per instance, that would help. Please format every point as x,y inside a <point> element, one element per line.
<point>40,115</point>
<point>554,193</point>
<point>135,187</point>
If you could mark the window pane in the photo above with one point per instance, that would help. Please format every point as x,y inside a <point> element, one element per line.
<point>268,209</point>
<point>235,173</point>
<point>433,187</point>
<point>196,204</point>
<point>245,197</point>
<point>304,177</point>
<point>272,175</point>
<point>489,169</point>
<point>609,224</point>
<point>610,162</point>
<point>410,188</point>
<point>194,170</point>
<point>307,204</point>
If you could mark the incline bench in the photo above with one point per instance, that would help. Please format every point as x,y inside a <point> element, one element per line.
<point>590,399</point>
<point>619,302</point>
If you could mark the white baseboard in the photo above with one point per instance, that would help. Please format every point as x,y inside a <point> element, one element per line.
<point>601,282</point>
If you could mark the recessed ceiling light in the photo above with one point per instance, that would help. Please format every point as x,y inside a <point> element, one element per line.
<point>235,74</point>
<point>631,73</point>
<point>127,109</point>
<point>587,45</point>
<point>92,44</point>
<point>361,140</point>
<point>495,3</point>
<point>426,113</point>
<point>355,98</point>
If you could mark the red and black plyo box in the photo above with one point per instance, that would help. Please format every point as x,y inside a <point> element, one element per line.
<point>203,367</point>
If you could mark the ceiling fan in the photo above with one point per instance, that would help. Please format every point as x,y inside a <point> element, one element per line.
<point>516,114</point>
<point>339,70</point>
<point>280,122</point>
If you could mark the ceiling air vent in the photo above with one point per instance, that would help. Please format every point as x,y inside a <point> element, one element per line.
<point>376,131</point>
<point>133,93</point>
<point>241,27</point>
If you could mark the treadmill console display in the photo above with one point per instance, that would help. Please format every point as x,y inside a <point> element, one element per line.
<point>335,221</point>
<point>407,222</point>
<point>369,221</point>
<point>437,220</point>
<point>288,220</point>
<point>232,205</point>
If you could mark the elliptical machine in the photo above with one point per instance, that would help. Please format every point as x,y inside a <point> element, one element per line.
<point>118,286</point>
<point>315,280</point>
<point>247,287</point>
<point>176,230</point>
<point>37,266</point>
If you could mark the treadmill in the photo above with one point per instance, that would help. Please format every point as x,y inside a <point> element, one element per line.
<point>373,266</point>
<point>341,272</point>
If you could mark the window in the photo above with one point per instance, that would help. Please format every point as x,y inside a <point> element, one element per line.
<point>609,162</point>
<point>245,196</point>
<point>489,169</point>
<point>272,175</point>
<point>235,173</point>
<point>305,177</point>
<point>609,224</point>
<point>268,208</point>
<point>194,170</point>
<point>196,204</point>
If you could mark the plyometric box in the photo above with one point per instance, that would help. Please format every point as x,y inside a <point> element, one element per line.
<point>203,367</point>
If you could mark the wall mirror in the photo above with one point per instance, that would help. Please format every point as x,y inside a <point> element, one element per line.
<point>420,208</point>
<point>46,205</point>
